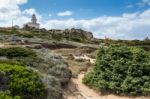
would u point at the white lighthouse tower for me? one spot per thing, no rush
(33, 23)
(34, 19)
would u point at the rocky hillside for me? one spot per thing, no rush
(41, 57)
(77, 35)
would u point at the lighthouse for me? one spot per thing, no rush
(33, 23)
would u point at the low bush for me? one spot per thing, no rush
(23, 82)
(80, 60)
(27, 84)
(121, 70)
(7, 95)
(16, 52)
(26, 35)
(11, 62)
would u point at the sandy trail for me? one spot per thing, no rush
(88, 93)
(85, 57)
(1, 45)
(77, 90)
(5, 45)
(80, 91)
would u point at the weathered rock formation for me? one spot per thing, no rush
(69, 34)
(89, 35)
(72, 33)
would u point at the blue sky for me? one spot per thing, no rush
(84, 9)
(116, 19)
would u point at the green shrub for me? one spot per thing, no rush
(2, 52)
(7, 95)
(8, 32)
(57, 37)
(23, 82)
(26, 35)
(121, 70)
(80, 60)
(16, 52)
(11, 62)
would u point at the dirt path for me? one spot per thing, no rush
(4, 45)
(86, 92)
(77, 90)
(1, 45)
(85, 57)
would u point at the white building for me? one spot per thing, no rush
(33, 22)
(16, 27)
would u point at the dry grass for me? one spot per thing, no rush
(74, 66)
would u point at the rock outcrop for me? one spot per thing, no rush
(69, 34)
(72, 32)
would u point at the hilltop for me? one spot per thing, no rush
(55, 55)
(59, 59)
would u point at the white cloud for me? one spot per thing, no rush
(129, 6)
(128, 26)
(65, 13)
(30, 11)
(10, 10)
(20, 1)
(143, 3)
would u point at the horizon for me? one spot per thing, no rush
(124, 19)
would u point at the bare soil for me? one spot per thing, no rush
(77, 90)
